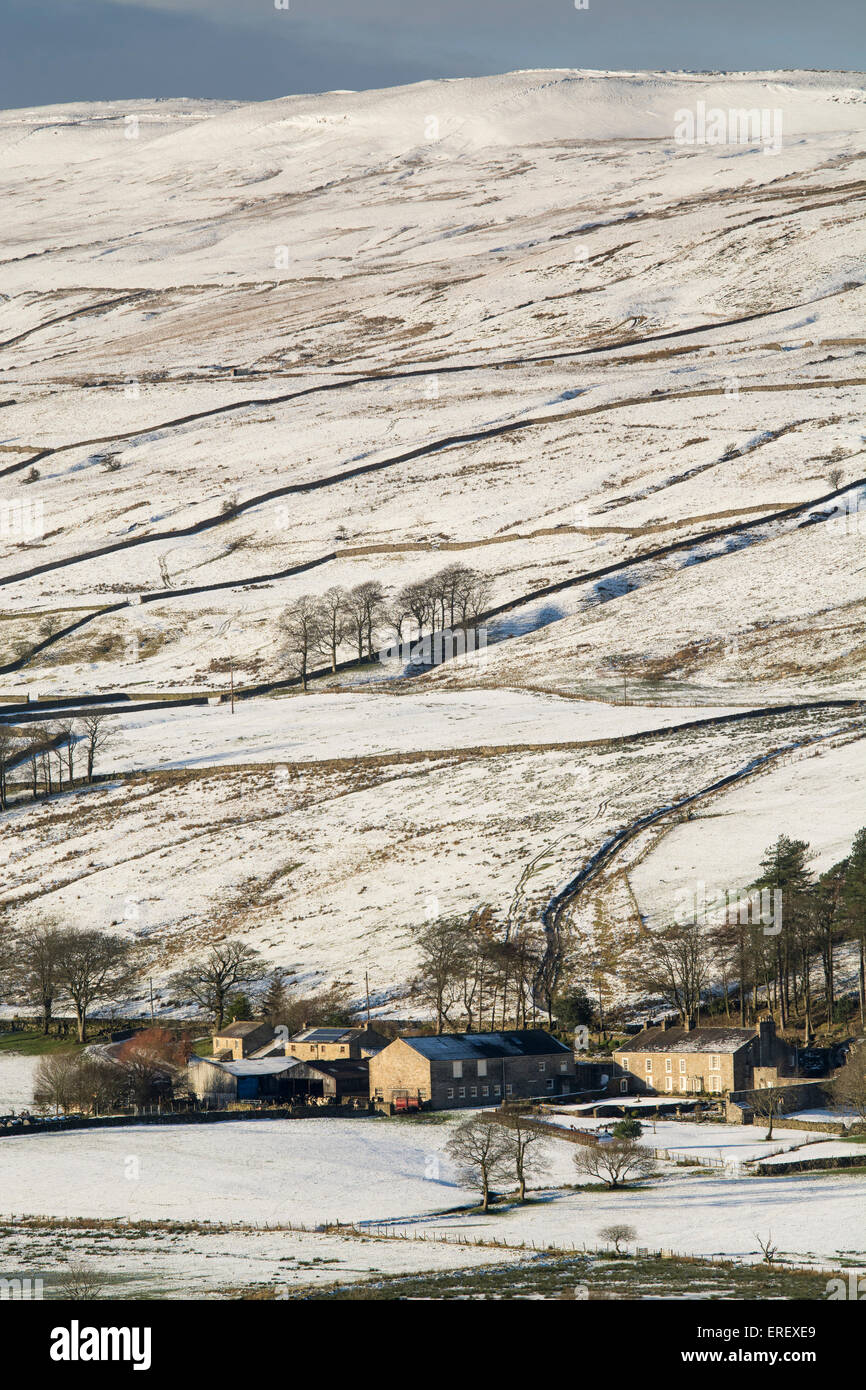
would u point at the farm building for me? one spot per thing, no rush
(241, 1039)
(688, 1061)
(284, 1080)
(247, 1079)
(450, 1070)
(344, 1079)
(335, 1044)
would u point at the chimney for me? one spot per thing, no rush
(766, 1042)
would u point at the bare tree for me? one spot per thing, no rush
(768, 1249)
(767, 1103)
(616, 1163)
(527, 1148)
(92, 965)
(211, 979)
(417, 600)
(679, 967)
(80, 1282)
(302, 625)
(334, 615)
(76, 1081)
(97, 733)
(68, 735)
(38, 951)
(9, 748)
(366, 602)
(617, 1233)
(849, 1086)
(442, 945)
(480, 1149)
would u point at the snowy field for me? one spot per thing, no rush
(196, 1264)
(813, 1219)
(314, 728)
(378, 1171)
(16, 1082)
(306, 1172)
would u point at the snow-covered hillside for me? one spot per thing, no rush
(251, 352)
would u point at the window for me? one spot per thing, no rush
(462, 1093)
(542, 1066)
(485, 1090)
(563, 1066)
(715, 1063)
(473, 1091)
(649, 1063)
(342, 1049)
(669, 1083)
(450, 1092)
(683, 1083)
(508, 1088)
(550, 1083)
(497, 1090)
(682, 1064)
(625, 1064)
(457, 1069)
(669, 1064)
(623, 1086)
(715, 1084)
(482, 1067)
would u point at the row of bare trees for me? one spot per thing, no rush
(511, 1146)
(144, 1068)
(474, 970)
(319, 627)
(47, 964)
(46, 754)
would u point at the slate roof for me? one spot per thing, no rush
(325, 1035)
(239, 1030)
(525, 1042)
(343, 1069)
(688, 1040)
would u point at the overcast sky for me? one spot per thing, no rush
(71, 50)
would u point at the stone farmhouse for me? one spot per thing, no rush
(241, 1039)
(335, 1044)
(690, 1061)
(450, 1070)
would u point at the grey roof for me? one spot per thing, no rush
(252, 1066)
(525, 1042)
(239, 1030)
(324, 1035)
(341, 1068)
(689, 1040)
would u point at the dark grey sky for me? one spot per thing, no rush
(69, 50)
